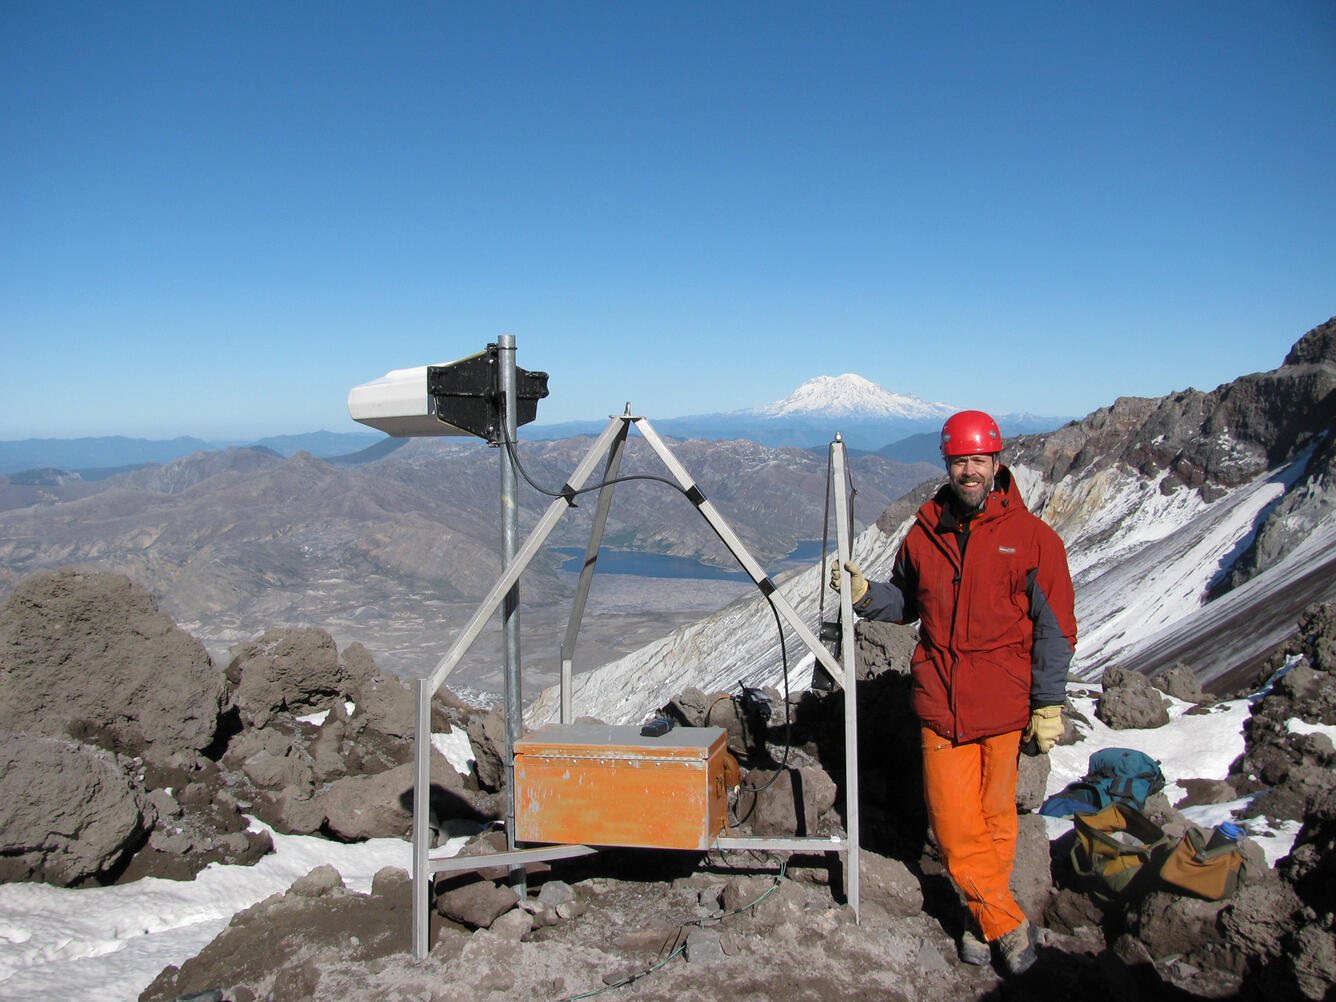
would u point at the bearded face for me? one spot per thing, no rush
(972, 478)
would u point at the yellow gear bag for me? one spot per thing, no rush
(1113, 846)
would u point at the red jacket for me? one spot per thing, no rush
(997, 628)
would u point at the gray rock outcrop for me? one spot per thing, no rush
(297, 670)
(1289, 950)
(1300, 951)
(1182, 683)
(1291, 770)
(788, 801)
(91, 654)
(94, 678)
(487, 735)
(1130, 701)
(1223, 438)
(270, 945)
(380, 805)
(69, 812)
(1311, 865)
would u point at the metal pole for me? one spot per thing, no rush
(421, 813)
(510, 610)
(849, 648)
(587, 569)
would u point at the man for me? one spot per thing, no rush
(989, 585)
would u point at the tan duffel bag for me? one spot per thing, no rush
(1208, 872)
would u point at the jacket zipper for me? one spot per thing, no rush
(958, 563)
(953, 648)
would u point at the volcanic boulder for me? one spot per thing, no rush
(1181, 682)
(92, 655)
(787, 801)
(68, 812)
(298, 670)
(1130, 701)
(377, 806)
(487, 734)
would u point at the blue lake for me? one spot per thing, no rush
(659, 565)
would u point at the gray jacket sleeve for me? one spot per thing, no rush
(890, 601)
(1051, 655)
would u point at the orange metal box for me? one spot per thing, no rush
(595, 784)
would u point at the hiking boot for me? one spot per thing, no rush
(972, 948)
(1017, 949)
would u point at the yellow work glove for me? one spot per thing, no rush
(857, 583)
(1045, 727)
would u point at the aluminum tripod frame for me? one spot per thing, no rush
(611, 443)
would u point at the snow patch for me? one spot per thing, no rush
(105, 944)
(457, 750)
(1297, 726)
(318, 718)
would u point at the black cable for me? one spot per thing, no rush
(788, 716)
(853, 490)
(571, 492)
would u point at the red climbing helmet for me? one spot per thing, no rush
(970, 433)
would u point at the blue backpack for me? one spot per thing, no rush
(1129, 776)
(1122, 775)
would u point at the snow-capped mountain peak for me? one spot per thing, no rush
(851, 395)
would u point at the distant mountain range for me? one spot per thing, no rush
(872, 420)
(96, 458)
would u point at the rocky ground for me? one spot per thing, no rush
(127, 752)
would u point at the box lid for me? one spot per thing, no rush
(581, 740)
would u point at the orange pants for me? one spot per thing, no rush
(970, 790)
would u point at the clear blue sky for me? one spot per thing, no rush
(217, 218)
